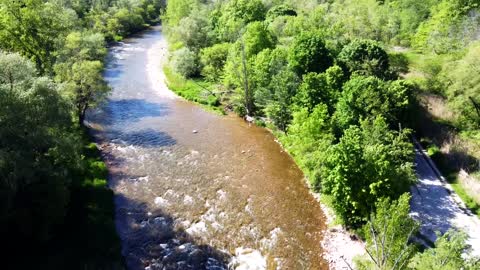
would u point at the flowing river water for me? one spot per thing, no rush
(224, 197)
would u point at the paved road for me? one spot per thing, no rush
(438, 207)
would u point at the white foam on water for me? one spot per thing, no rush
(197, 229)
(159, 201)
(188, 200)
(222, 195)
(248, 259)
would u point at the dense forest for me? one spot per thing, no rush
(342, 84)
(56, 210)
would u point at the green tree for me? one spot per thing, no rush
(235, 15)
(33, 28)
(185, 62)
(309, 54)
(308, 137)
(320, 88)
(86, 86)
(284, 85)
(38, 151)
(365, 57)
(213, 60)
(280, 10)
(463, 87)
(178, 9)
(388, 234)
(194, 31)
(78, 46)
(364, 97)
(448, 254)
(368, 163)
(257, 38)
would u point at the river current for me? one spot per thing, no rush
(195, 190)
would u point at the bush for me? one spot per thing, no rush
(213, 60)
(185, 62)
(309, 54)
(365, 57)
(368, 163)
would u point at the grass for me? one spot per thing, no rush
(195, 90)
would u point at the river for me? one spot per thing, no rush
(225, 196)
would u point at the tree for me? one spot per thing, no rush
(284, 85)
(33, 28)
(213, 61)
(257, 38)
(448, 254)
(319, 88)
(38, 151)
(364, 97)
(308, 137)
(368, 163)
(185, 62)
(365, 57)
(78, 46)
(388, 234)
(463, 87)
(86, 86)
(309, 54)
(178, 9)
(194, 31)
(235, 15)
(279, 10)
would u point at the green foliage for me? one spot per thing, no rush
(308, 137)
(257, 38)
(38, 151)
(365, 57)
(463, 87)
(309, 54)
(368, 163)
(280, 10)
(202, 92)
(193, 31)
(213, 61)
(447, 254)
(449, 28)
(33, 27)
(47, 180)
(235, 15)
(388, 233)
(284, 87)
(185, 62)
(320, 88)
(178, 9)
(365, 97)
(86, 86)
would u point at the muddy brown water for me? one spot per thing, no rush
(224, 197)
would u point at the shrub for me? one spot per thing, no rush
(213, 60)
(185, 62)
(309, 54)
(365, 57)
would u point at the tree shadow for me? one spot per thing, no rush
(147, 138)
(152, 240)
(124, 111)
(431, 201)
(444, 134)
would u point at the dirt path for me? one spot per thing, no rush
(438, 207)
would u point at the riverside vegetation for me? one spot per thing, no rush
(56, 209)
(340, 83)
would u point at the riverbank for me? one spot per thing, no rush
(339, 245)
